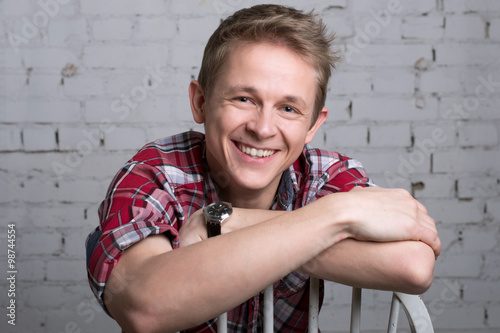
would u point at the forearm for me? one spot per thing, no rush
(213, 276)
(405, 266)
(243, 218)
(217, 274)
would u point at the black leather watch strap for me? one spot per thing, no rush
(213, 229)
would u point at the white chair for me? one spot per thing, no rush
(413, 306)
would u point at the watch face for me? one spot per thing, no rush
(219, 211)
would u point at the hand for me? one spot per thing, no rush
(390, 215)
(193, 230)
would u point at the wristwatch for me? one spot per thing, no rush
(215, 214)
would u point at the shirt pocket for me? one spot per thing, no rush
(290, 284)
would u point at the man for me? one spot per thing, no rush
(296, 211)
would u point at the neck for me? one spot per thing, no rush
(243, 198)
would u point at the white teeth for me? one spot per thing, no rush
(255, 152)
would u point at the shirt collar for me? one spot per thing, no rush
(285, 193)
(209, 189)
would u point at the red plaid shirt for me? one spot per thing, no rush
(168, 180)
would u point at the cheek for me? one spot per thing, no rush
(219, 116)
(293, 131)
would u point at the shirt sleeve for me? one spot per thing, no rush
(139, 203)
(345, 174)
(331, 172)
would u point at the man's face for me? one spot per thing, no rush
(258, 118)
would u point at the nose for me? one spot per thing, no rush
(263, 123)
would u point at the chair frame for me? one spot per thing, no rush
(413, 306)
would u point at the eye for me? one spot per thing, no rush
(289, 109)
(243, 99)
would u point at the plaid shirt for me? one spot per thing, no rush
(168, 180)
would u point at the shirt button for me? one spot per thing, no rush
(281, 286)
(253, 303)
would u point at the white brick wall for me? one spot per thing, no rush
(390, 135)
(39, 138)
(111, 28)
(67, 31)
(423, 27)
(124, 56)
(477, 134)
(120, 7)
(84, 83)
(156, 28)
(465, 27)
(393, 81)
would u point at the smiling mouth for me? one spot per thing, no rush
(254, 152)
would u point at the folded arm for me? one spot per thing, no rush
(404, 266)
(152, 286)
(355, 238)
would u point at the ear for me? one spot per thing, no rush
(197, 99)
(323, 114)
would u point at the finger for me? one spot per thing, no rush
(430, 237)
(427, 221)
(421, 207)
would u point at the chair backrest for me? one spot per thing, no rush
(413, 306)
(415, 310)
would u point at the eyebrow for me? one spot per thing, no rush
(253, 90)
(247, 89)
